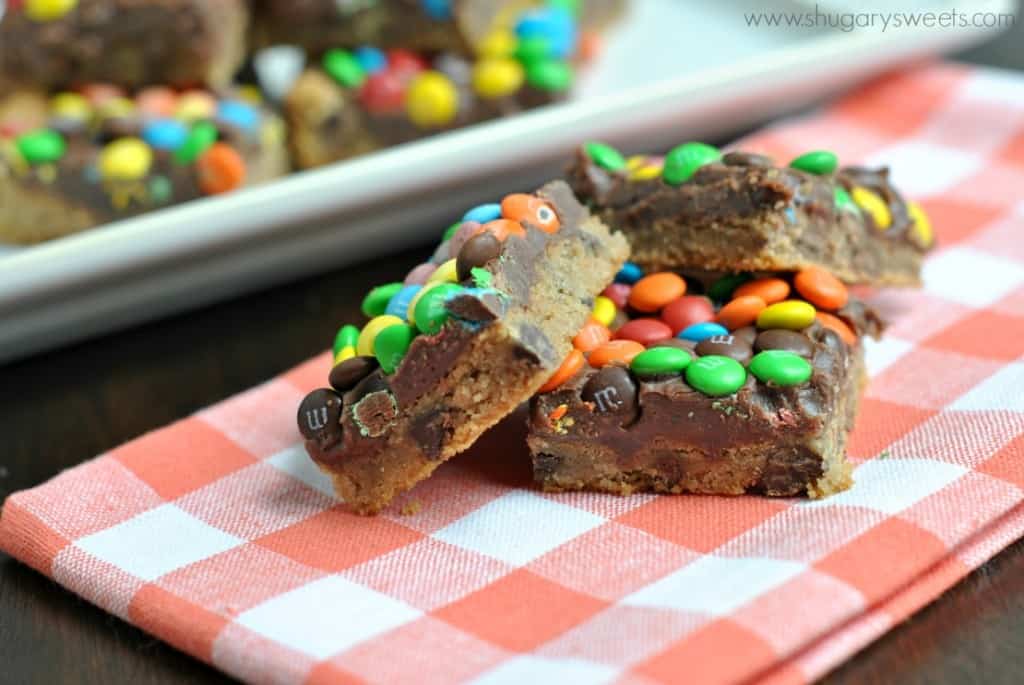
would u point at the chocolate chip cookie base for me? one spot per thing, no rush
(126, 42)
(778, 442)
(745, 214)
(452, 386)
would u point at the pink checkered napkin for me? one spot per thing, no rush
(219, 536)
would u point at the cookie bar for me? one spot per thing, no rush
(456, 26)
(79, 159)
(696, 208)
(358, 101)
(460, 344)
(754, 393)
(54, 44)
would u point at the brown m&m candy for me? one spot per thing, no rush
(737, 158)
(349, 372)
(476, 252)
(725, 346)
(782, 339)
(319, 415)
(611, 390)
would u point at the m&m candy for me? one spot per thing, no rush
(431, 100)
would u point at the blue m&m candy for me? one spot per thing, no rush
(165, 134)
(483, 213)
(239, 114)
(702, 331)
(370, 59)
(553, 24)
(398, 305)
(629, 274)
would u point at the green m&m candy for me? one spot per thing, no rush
(549, 74)
(376, 301)
(39, 147)
(780, 367)
(715, 375)
(430, 312)
(844, 202)
(450, 231)
(660, 361)
(347, 336)
(343, 67)
(391, 344)
(722, 289)
(683, 161)
(605, 156)
(200, 137)
(532, 49)
(819, 162)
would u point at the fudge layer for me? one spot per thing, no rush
(75, 160)
(687, 405)
(468, 337)
(696, 208)
(175, 42)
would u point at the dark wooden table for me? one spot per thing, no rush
(61, 408)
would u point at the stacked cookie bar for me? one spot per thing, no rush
(693, 372)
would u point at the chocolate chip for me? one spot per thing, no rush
(747, 159)
(375, 412)
(725, 346)
(782, 339)
(747, 334)
(319, 415)
(476, 252)
(612, 390)
(349, 372)
(678, 343)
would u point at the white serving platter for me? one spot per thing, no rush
(672, 70)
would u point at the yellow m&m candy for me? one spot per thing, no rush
(792, 314)
(125, 159)
(921, 230)
(431, 100)
(874, 205)
(195, 104)
(604, 311)
(48, 10)
(364, 346)
(446, 273)
(497, 44)
(495, 77)
(70, 105)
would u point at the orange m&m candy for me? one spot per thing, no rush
(837, 325)
(740, 311)
(770, 289)
(568, 369)
(591, 336)
(532, 210)
(503, 228)
(220, 169)
(821, 288)
(653, 292)
(615, 352)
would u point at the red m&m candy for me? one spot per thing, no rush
(383, 92)
(686, 311)
(645, 331)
